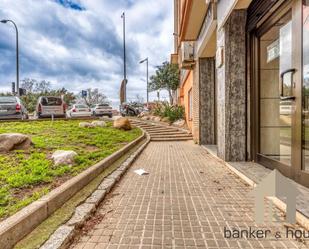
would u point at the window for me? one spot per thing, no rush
(51, 101)
(190, 104)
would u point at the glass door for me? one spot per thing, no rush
(276, 93)
(283, 90)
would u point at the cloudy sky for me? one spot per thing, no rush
(78, 43)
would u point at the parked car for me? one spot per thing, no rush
(79, 110)
(102, 110)
(11, 107)
(48, 106)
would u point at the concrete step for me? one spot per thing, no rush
(146, 127)
(171, 136)
(170, 139)
(142, 124)
(166, 133)
(161, 129)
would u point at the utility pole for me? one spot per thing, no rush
(17, 54)
(147, 75)
(123, 16)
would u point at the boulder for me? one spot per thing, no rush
(166, 120)
(122, 123)
(180, 123)
(157, 119)
(14, 141)
(86, 125)
(98, 124)
(65, 157)
(142, 114)
(145, 118)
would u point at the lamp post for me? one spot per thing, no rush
(123, 16)
(147, 65)
(17, 54)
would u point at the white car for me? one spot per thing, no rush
(79, 110)
(102, 110)
(49, 106)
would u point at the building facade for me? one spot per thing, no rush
(245, 79)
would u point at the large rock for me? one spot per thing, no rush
(143, 114)
(98, 124)
(86, 125)
(157, 119)
(65, 157)
(180, 123)
(14, 141)
(145, 118)
(122, 123)
(166, 120)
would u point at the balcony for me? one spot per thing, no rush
(206, 42)
(192, 16)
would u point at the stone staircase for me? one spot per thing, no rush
(161, 132)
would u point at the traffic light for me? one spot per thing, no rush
(13, 88)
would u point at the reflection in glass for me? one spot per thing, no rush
(305, 93)
(275, 114)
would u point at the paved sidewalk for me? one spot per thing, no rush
(185, 202)
(256, 172)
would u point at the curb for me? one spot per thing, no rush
(64, 234)
(47, 119)
(17, 226)
(301, 219)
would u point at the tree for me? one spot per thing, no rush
(34, 86)
(94, 97)
(28, 84)
(165, 78)
(35, 89)
(42, 86)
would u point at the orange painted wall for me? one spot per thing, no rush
(187, 86)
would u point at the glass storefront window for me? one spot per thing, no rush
(275, 113)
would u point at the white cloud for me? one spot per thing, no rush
(81, 49)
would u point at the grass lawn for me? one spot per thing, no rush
(25, 176)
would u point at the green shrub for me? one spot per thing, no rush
(172, 112)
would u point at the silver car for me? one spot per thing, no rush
(102, 110)
(48, 106)
(79, 110)
(11, 107)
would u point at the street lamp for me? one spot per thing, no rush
(147, 65)
(17, 53)
(123, 16)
